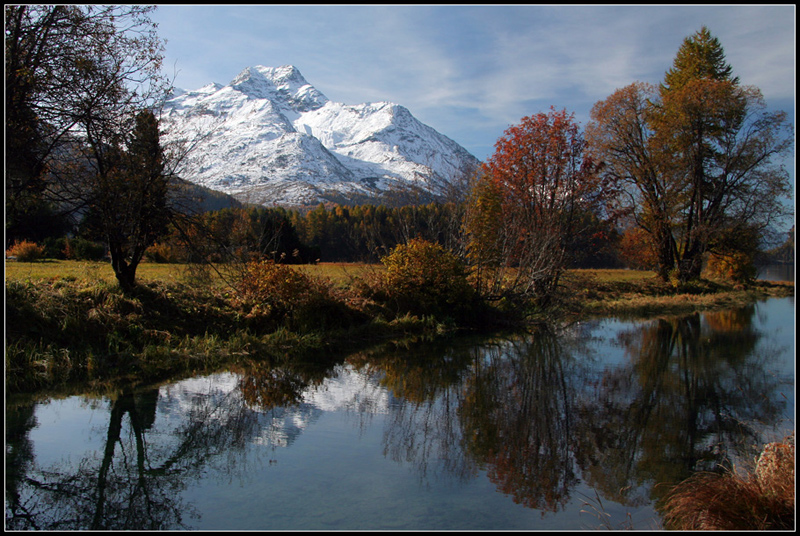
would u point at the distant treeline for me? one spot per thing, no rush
(783, 254)
(324, 234)
(363, 233)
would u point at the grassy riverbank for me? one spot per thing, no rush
(632, 293)
(69, 323)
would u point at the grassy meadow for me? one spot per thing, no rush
(338, 273)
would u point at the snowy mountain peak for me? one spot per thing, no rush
(286, 76)
(270, 137)
(282, 85)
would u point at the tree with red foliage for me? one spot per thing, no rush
(527, 203)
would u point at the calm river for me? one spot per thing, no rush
(551, 431)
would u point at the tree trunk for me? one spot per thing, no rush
(665, 251)
(124, 271)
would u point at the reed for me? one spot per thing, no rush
(757, 499)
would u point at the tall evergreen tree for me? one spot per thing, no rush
(700, 56)
(701, 109)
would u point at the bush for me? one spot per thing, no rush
(164, 252)
(276, 295)
(25, 251)
(738, 267)
(636, 251)
(423, 278)
(86, 250)
(55, 247)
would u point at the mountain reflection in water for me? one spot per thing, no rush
(607, 409)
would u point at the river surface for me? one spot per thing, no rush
(572, 430)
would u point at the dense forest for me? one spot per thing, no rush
(363, 233)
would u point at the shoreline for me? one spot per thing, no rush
(65, 330)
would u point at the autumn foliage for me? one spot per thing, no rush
(696, 158)
(527, 204)
(278, 295)
(424, 278)
(636, 250)
(26, 251)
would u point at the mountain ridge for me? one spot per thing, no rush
(271, 138)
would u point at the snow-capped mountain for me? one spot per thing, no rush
(269, 137)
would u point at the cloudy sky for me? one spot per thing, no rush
(471, 71)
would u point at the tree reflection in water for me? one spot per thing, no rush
(690, 397)
(120, 490)
(134, 481)
(540, 414)
(422, 426)
(516, 420)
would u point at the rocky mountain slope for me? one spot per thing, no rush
(270, 138)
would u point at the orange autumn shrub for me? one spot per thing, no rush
(276, 295)
(26, 251)
(424, 278)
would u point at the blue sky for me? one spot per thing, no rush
(471, 71)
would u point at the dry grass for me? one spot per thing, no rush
(90, 270)
(339, 273)
(584, 292)
(643, 294)
(613, 275)
(761, 499)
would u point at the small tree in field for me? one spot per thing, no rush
(526, 205)
(80, 84)
(128, 207)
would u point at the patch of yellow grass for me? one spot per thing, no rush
(611, 275)
(91, 270)
(339, 273)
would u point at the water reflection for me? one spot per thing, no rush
(690, 397)
(517, 419)
(541, 416)
(115, 488)
(777, 272)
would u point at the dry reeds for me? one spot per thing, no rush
(762, 499)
